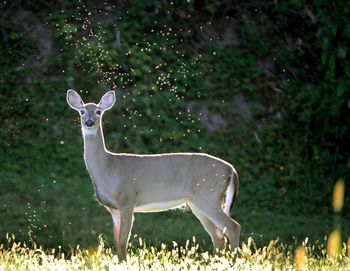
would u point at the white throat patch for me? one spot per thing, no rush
(89, 131)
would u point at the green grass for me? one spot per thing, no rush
(274, 256)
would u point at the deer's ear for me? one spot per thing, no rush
(107, 101)
(74, 100)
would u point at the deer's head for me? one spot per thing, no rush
(90, 113)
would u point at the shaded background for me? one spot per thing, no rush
(261, 84)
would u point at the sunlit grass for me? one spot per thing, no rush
(275, 256)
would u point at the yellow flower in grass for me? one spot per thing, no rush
(334, 244)
(338, 195)
(300, 258)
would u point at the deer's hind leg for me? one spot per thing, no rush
(216, 235)
(222, 221)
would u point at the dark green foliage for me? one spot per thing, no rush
(278, 73)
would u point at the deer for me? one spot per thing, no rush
(126, 183)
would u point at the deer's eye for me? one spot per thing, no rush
(82, 112)
(98, 112)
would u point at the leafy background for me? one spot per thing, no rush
(261, 84)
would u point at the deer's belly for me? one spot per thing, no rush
(160, 206)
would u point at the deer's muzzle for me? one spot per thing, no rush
(89, 123)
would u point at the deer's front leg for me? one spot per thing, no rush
(116, 226)
(126, 220)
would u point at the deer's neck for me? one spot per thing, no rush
(95, 153)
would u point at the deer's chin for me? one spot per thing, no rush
(89, 131)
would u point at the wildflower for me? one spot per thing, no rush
(334, 243)
(300, 258)
(338, 195)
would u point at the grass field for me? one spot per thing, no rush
(275, 256)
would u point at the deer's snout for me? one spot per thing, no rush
(89, 123)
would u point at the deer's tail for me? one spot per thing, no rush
(231, 192)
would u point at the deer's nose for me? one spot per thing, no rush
(89, 123)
